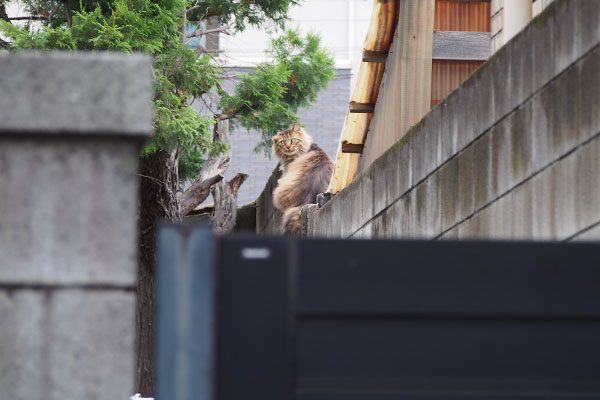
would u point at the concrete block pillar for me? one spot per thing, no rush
(71, 127)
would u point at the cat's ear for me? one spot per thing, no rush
(296, 127)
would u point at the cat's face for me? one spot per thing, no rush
(291, 143)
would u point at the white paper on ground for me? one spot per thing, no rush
(138, 396)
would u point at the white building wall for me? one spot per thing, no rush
(505, 24)
(342, 25)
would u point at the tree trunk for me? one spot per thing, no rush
(3, 15)
(158, 201)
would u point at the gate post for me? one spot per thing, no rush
(71, 127)
(185, 309)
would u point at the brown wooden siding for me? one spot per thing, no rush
(404, 98)
(447, 75)
(462, 16)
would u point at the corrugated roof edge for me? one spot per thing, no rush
(384, 20)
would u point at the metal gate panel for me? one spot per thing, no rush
(358, 320)
(488, 278)
(254, 319)
(399, 319)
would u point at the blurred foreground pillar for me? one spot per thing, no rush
(71, 127)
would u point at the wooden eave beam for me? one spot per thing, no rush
(368, 108)
(374, 56)
(449, 45)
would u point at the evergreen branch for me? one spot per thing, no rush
(246, 3)
(177, 66)
(208, 106)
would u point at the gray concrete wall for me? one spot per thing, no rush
(513, 153)
(268, 218)
(71, 126)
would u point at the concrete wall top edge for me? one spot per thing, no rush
(52, 93)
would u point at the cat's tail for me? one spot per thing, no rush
(292, 220)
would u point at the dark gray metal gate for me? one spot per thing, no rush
(251, 318)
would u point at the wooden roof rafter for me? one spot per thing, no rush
(355, 107)
(384, 20)
(374, 56)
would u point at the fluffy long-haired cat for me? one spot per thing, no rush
(306, 172)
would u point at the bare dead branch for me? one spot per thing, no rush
(236, 182)
(196, 193)
(221, 29)
(225, 212)
(225, 117)
(212, 172)
(177, 66)
(228, 116)
(191, 9)
(158, 182)
(199, 50)
(208, 106)
(29, 18)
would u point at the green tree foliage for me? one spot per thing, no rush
(266, 99)
(241, 13)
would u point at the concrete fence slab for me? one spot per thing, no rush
(507, 155)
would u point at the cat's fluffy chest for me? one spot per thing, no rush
(292, 162)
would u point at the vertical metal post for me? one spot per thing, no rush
(517, 14)
(185, 314)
